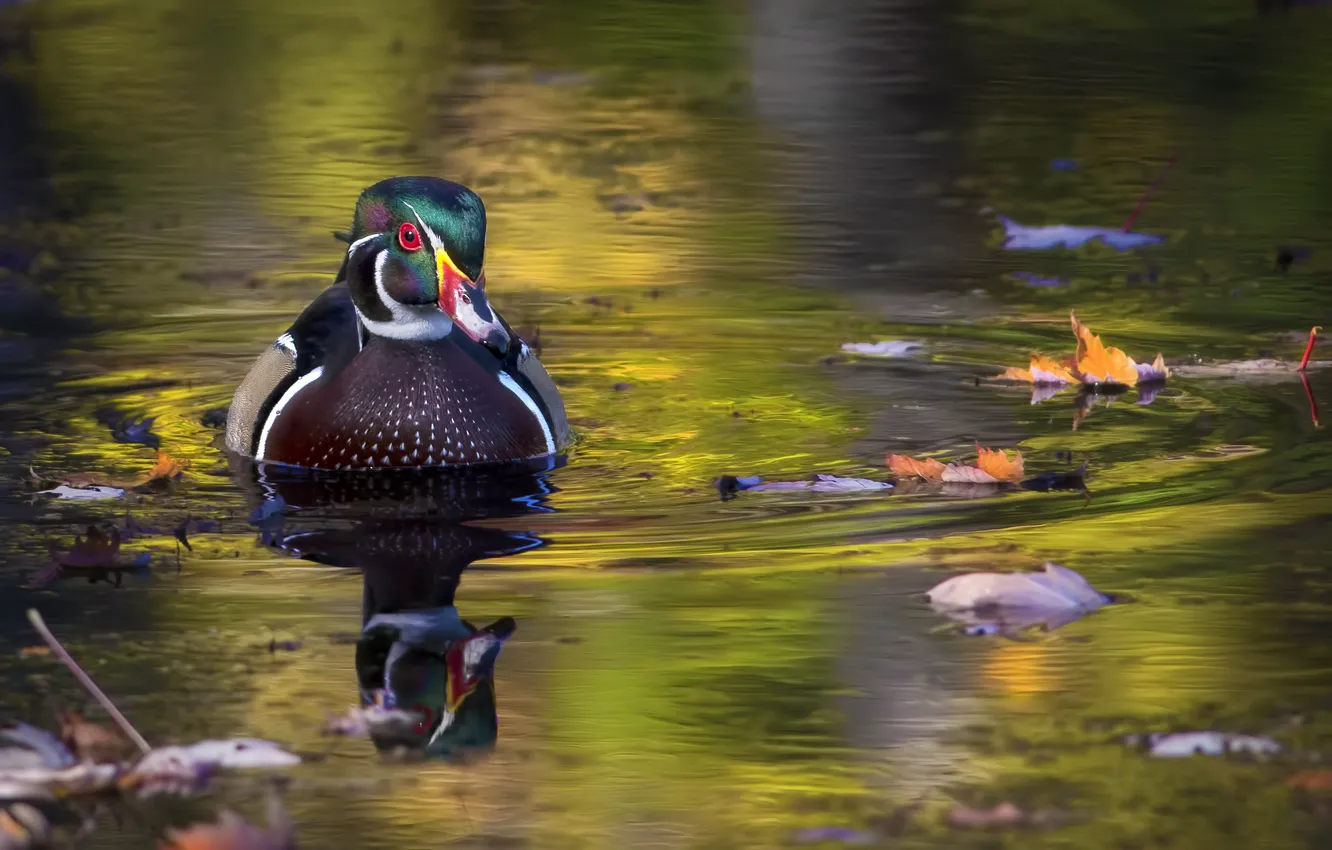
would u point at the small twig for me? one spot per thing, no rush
(1142, 202)
(1308, 349)
(60, 652)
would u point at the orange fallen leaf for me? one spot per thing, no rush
(1311, 780)
(232, 832)
(1043, 371)
(1098, 364)
(909, 467)
(998, 465)
(166, 467)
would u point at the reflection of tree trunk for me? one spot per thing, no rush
(860, 92)
(865, 93)
(911, 688)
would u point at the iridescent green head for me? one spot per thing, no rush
(415, 267)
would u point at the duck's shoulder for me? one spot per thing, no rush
(322, 340)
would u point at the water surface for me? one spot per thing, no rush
(697, 203)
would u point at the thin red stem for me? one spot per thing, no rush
(1142, 202)
(1313, 405)
(1308, 349)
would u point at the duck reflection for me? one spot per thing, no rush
(410, 535)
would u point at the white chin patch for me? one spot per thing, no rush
(409, 320)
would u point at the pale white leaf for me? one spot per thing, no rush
(1011, 601)
(84, 494)
(887, 348)
(1186, 744)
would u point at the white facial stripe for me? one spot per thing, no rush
(353, 246)
(512, 386)
(409, 321)
(436, 244)
(304, 381)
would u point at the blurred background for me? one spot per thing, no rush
(693, 205)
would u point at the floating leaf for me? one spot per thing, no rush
(82, 778)
(960, 473)
(1043, 371)
(1156, 372)
(50, 750)
(1054, 598)
(188, 768)
(888, 348)
(823, 483)
(1018, 237)
(84, 494)
(91, 741)
(1186, 744)
(998, 465)
(1097, 364)
(908, 467)
(240, 753)
(166, 468)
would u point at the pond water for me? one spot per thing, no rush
(696, 204)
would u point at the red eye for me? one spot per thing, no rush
(408, 237)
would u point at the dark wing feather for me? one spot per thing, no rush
(325, 334)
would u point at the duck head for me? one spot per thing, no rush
(414, 265)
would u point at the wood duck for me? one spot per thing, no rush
(401, 363)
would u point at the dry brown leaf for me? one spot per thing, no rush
(1098, 364)
(960, 473)
(91, 741)
(998, 465)
(909, 467)
(1311, 780)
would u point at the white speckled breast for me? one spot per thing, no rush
(407, 404)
